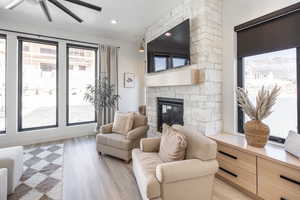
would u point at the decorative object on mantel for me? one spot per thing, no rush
(292, 144)
(257, 133)
(102, 96)
(129, 80)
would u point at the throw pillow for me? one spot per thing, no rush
(292, 144)
(172, 145)
(123, 123)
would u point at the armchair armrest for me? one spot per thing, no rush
(107, 128)
(184, 170)
(136, 133)
(3, 184)
(150, 144)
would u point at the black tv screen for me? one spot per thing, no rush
(170, 50)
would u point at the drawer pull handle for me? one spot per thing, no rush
(228, 155)
(228, 172)
(283, 198)
(289, 179)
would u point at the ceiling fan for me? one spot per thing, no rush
(44, 6)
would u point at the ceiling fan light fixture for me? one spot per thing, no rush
(43, 4)
(66, 10)
(44, 7)
(14, 4)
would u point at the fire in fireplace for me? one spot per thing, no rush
(169, 111)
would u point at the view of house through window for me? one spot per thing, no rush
(2, 83)
(38, 79)
(267, 70)
(81, 73)
(160, 63)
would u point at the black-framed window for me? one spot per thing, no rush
(268, 53)
(81, 72)
(2, 84)
(268, 69)
(38, 85)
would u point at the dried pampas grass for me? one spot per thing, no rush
(265, 100)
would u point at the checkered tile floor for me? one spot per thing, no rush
(42, 177)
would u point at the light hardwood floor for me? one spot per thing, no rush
(89, 176)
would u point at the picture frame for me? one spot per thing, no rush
(129, 80)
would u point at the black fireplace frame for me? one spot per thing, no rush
(167, 101)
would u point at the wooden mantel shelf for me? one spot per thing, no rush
(271, 151)
(187, 75)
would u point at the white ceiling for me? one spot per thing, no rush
(133, 16)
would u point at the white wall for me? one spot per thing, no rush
(130, 60)
(236, 12)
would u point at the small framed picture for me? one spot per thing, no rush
(129, 80)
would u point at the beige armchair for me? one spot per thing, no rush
(119, 145)
(190, 179)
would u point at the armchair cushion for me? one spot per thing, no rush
(115, 140)
(107, 128)
(150, 144)
(136, 133)
(184, 170)
(173, 145)
(144, 166)
(123, 122)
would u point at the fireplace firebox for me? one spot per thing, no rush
(169, 111)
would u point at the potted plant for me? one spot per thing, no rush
(102, 96)
(257, 133)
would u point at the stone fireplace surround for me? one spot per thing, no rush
(202, 102)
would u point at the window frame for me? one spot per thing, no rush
(240, 83)
(20, 81)
(3, 36)
(68, 46)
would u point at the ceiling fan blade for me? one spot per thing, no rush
(88, 5)
(66, 10)
(14, 4)
(44, 7)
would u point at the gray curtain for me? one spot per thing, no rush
(108, 67)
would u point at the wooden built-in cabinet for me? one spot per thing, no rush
(238, 167)
(267, 173)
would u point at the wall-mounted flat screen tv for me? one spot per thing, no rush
(170, 50)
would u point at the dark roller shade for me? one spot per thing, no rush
(276, 31)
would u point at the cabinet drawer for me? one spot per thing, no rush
(243, 161)
(277, 182)
(233, 173)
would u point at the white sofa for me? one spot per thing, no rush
(190, 179)
(12, 159)
(3, 184)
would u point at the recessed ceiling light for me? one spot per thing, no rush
(113, 21)
(168, 34)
